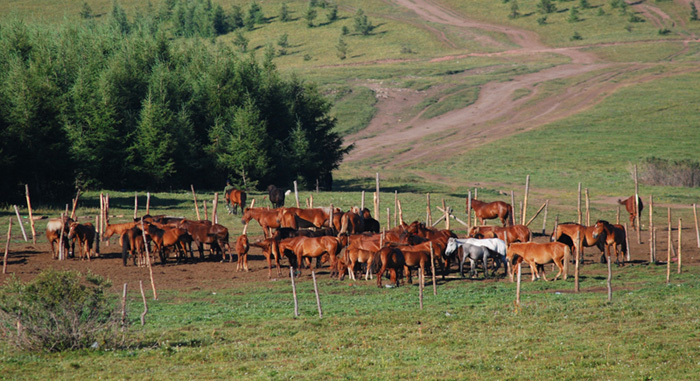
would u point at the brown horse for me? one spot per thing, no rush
(612, 236)
(496, 209)
(351, 223)
(566, 233)
(267, 218)
(120, 229)
(235, 198)
(310, 247)
(629, 205)
(85, 234)
(537, 255)
(204, 232)
(132, 244)
(53, 233)
(269, 249)
(389, 258)
(242, 247)
(414, 256)
(165, 236)
(310, 217)
(354, 256)
(515, 233)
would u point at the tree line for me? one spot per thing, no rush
(125, 104)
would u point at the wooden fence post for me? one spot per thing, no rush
(578, 260)
(517, 287)
(377, 198)
(294, 292)
(136, 205)
(21, 225)
(523, 217)
(638, 218)
(627, 242)
(148, 262)
(668, 251)
(296, 193)
(680, 230)
(544, 222)
(148, 202)
(609, 282)
(421, 284)
(124, 308)
(31, 217)
(697, 228)
(362, 203)
(432, 267)
(145, 304)
(396, 208)
(318, 299)
(588, 209)
(469, 212)
(428, 216)
(196, 206)
(97, 236)
(578, 205)
(512, 204)
(214, 207)
(75, 204)
(7, 247)
(652, 258)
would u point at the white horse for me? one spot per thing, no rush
(494, 244)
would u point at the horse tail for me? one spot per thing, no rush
(567, 259)
(125, 247)
(376, 261)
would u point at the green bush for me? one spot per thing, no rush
(58, 310)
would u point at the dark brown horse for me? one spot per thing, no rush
(612, 236)
(537, 255)
(85, 234)
(515, 233)
(132, 244)
(496, 209)
(234, 199)
(276, 196)
(164, 237)
(629, 205)
(388, 258)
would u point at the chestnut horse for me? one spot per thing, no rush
(132, 244)
(165, 236)
(354, 256)
(269, 248)
(566, 233)
(242, 247)
(515, 233)
(389, 258)
(537, 255)
(235, 198)
(204, 232)
(53, 233)
(85, 234)
(500, 209)
(629, 205)
(311, 247)
(612, 235)
(266, 218)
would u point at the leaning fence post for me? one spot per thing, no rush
(196, 206)
(294, 292)
(31, 217)
(318, 299)
(145, 304)
(7, 247)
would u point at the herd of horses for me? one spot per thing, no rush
(350, 241)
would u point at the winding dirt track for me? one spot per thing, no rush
(496, 113)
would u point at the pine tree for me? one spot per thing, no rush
(342, 48)
(693, 11)
(514, 10)
(546, 6)
(310, 17)
(284, 13)
(362, 24)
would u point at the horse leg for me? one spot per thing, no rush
(380, 273)
(472, 263)
(486, 269)
(407, 270)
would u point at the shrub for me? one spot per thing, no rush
(576, 37)
(58, 310)
(542, 20)
(677, 173)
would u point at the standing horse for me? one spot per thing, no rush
(389, 258)
(479, 253)
(276, 196)
(204, 232)
(612, 235)
(85, 234)
(311, 247)
(132, 244)
(242, 247)
(234, 199)
(539, 254)
(515, 233)
(496, 209)
(266, 218)
(566, 233)
(269, 248)
(629, 205)
(496, 245)
(53, 233)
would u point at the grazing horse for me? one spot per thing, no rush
(496, 209)
(515, 233)
(479, 253)
(85, 234)
(269, 248)
(276, 196)
(496, 245)
(234, 199)
(629, 205)
(268, 219)
(311, 247)
(53, 233)
(566, 233)
(242, 247)
(612, 235)
(539, 254)
(389, 258)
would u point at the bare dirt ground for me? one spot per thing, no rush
(27, 260)
(397, 140)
